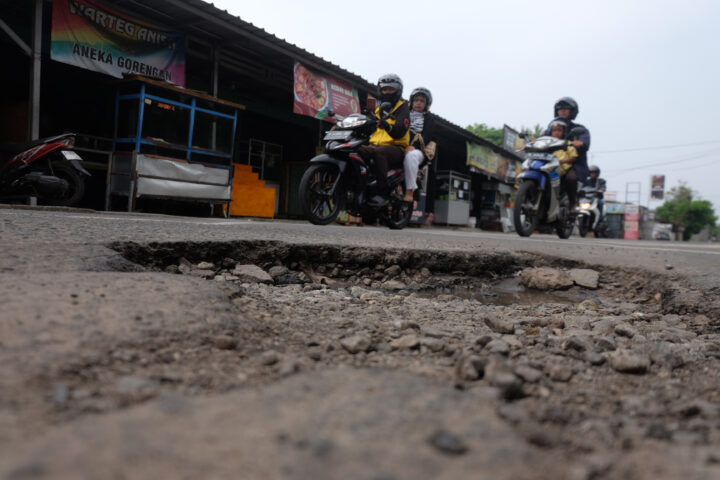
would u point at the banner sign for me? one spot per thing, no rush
(632, 224)
(657, 187)
(486, 160)
(512, 141)
(91, 35)
(315, 94)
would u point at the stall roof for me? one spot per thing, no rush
(231, 31)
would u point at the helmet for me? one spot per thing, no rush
(425, 93)
(390, 80)
(567, 102)
(558, 121)
(594, 169)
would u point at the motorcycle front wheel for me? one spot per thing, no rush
(76, 187)
(583, 226)
(565, 228)
(525, 216)
(322, 193)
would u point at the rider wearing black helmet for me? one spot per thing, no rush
(388, 143)
(578, 136)
(593, 180)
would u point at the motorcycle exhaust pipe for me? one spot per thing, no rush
(46, 184)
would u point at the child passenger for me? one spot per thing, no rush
(422, 134)
(569, 154)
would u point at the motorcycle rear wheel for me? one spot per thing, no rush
(322, 193)
(524, 217)
(398, 212)
(75, 191)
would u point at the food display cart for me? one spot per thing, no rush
(170, 143)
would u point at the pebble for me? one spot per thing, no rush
(528, 373)
(447, 442)
(625, 361)
(470, 368)
(499, 325)
(269, 357)
(560, 372)
(356, 343)
(224, 342)
(406, 342)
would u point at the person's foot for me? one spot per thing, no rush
(377, 201)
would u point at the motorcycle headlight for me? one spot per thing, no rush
(352, 122)
(585, 205)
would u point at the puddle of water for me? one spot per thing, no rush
(512, 292)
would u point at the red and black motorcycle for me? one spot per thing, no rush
(47, 168)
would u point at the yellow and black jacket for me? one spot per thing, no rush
(396, 131)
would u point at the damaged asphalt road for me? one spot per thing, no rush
(138, 348)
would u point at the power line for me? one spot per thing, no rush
(656, 148)
(671, 162)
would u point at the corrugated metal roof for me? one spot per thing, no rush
(234, 26)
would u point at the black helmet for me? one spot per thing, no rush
(594, 168)
(425, 93)
(567, 102)
(390, 80)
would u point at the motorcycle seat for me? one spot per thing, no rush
(11, 148)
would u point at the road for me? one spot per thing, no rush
(351, 352)
(699, 262)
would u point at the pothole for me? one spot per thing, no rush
(489, 278)
(580, 369)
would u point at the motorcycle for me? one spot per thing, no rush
(540, 199)
(340, 179)
(589, 215)
(46, 168)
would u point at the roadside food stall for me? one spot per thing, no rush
(170, 143)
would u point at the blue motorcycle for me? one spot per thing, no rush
(540, 200)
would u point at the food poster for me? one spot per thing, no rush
(315, 94)
(94, 36)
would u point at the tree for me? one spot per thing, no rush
(533, 132)
(686, 214)
(494, 135)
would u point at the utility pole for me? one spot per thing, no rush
(632, 193)
(35, 69)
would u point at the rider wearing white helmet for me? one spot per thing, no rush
(422, 133)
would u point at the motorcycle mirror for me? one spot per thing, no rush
(330, 112)
(577, 131)
(385, 108)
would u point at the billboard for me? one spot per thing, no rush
(94, 36)
(657, 187)
(315, 94)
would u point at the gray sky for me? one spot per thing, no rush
(645, 73)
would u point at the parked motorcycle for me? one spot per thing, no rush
(589, 215)
(540, 199)
(340, 179)
(48, 169)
